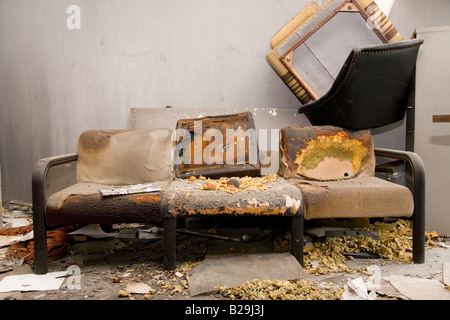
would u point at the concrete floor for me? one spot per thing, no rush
(142, 262)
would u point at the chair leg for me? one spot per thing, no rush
(169, 243)
(297, 238)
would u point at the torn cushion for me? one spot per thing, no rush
(355, 198)
(325, 153)
(217, 146)
(82, 203)
(125, 156)
(185, 198)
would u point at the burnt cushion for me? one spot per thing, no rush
(276, 197)
(83, 203)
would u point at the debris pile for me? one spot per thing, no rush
(151, 284)
(232, 185)
(326, 255)
(299, 289)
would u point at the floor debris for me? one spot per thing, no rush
(329, 271)
(32, 282)
(356, 289)
(298, 289)
(231, 270)
(418, 288)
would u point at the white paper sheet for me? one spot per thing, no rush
(32, 282)
(94, 231)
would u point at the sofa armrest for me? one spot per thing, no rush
(38, 184)
(418, 190)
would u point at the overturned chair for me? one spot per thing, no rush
(104, 160)
(371, 90)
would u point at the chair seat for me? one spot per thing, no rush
(186, 198)
(365, 197)
(82, 203)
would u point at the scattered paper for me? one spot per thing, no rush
(355, 289)
(137, 188)
(148, 235)
(16, 223)
(418, 288)
(94, 231)
(32, 282)
(9, 240)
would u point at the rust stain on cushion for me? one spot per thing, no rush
(138, 199)
(94, 139)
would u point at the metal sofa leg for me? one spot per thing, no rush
(419, 222)
(169, 243)
(297, 238)
(39, 225)
(40, 247)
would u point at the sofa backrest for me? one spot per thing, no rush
(326, 153)
(120, 157)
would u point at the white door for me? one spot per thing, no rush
(432, 123)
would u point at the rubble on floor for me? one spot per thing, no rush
(299, 289)
(324, 255)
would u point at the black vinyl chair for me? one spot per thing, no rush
(371, 90)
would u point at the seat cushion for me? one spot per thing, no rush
(125, 156)
(185, 198)
(366, 197)
(83, 203)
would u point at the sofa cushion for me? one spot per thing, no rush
(275, 197)
(325, 153)
(365, 197)
(83, 203)
(217, 146)
(125, 156)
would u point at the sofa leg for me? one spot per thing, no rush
(297, 238)
(39, 231)
(40, 253)
(169, 244)
(419, 235)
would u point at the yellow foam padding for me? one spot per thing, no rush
(337, 146)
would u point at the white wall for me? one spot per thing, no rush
(56, 82)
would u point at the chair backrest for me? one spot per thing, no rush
(371, 90)
(325, 153)
(120, 157)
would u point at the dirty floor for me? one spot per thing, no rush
(132, 269)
